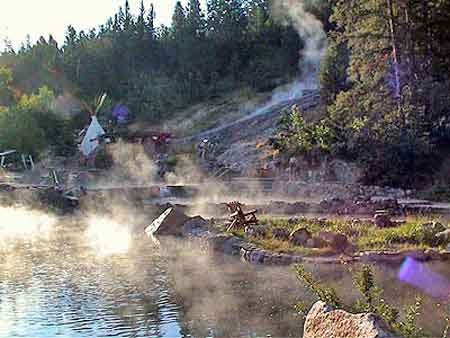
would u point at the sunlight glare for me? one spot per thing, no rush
(20, 223)
(107, 236)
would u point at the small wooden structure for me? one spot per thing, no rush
(27, 160)
(239, 218)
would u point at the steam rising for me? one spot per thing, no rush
(310, 30)
(132, 166)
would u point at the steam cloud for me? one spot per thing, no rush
(310, 30)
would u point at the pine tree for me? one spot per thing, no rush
(178, 19)
(150, 24)
(140, 24)
(128, 17)
(195, 18)
(121, 19)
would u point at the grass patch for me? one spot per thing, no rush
(363, 235)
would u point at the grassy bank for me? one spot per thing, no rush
(363, 235)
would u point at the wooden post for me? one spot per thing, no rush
(30, 158)
(24, 162)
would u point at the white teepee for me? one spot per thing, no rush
(91, 138)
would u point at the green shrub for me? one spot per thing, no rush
(371, 300)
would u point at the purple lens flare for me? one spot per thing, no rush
(421, 277)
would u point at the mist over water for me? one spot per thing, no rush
(99, 276)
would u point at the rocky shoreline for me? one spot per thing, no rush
(233, 245)
(174, 223)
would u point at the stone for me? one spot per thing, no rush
(433, 227)
(257, 257)
(382, 220)
(316, 243)
(338, 242)
(169, 223)
(324, 322)
(194, 223)
(224, 243)
(381, 256)
(258, 231)
(444, 235)
(295, 220)
(281, 234)
(300, 236)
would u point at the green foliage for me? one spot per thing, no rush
(6, 78)
(333, 71)
(365, 283)
(364, 235)
(325, 294)
(32, 125)
(379, 81)
(19, 131)
(371, 301)
(296, 136)
(158, 70)
(409, 326)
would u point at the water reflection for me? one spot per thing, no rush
(61, 286)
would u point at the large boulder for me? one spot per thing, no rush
(169, 223)
(338, 242)
(324, 322)
(300, 236)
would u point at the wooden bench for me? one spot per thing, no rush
(238, 218)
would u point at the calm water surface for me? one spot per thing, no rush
(68, 283)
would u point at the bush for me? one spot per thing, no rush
(371, 300)
(31, 125)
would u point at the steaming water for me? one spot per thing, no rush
(65, 285)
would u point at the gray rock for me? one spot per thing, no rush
(300, 236)
(224, 243)
(338, 242)
(280, 234)
(316, 242)
(382, 220)
(324, 322)
(257, 257)
(433, 227)
(194, 223)
(444, 235)
(169, 223)
(258, 231)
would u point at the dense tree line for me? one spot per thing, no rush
(385, 87)
(158, 69)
